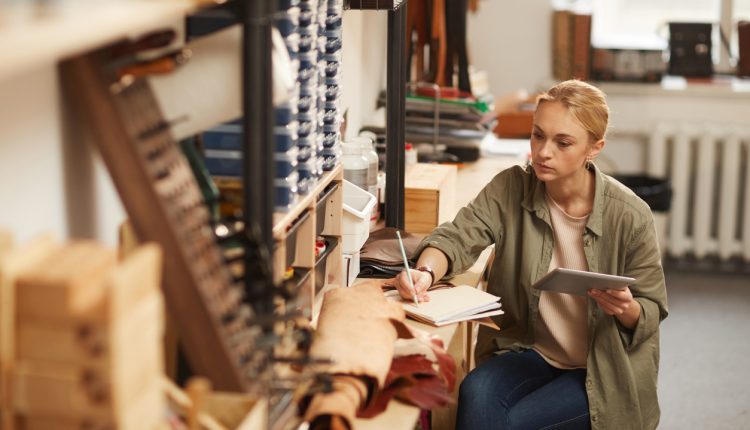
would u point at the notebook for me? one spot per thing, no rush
(450, 305)
(578, 282)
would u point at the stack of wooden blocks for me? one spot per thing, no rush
(80, 338)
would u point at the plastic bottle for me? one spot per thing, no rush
(368, 151)
(355, 164)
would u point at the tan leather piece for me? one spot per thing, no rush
(346, 315)
(341, 404)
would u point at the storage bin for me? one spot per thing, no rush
(306, 142)
(291, 237)
(306, 75)
(305, 152)
(307, 169)
(286, 162)
(307, 43)
(221, 162)
(656, 192)
(332, 151)
(323, 208)
(321, 264)
(226, 137)
(332, 68)
(304, 185)
(285, 137)
(287, 21)
(330, 162)
(331, 139)
(285, 195)
(355, 226)
(351, 268)
(310, 29)
(284, 113)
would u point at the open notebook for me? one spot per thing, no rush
(450, 305)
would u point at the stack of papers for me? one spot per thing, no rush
(450, 305)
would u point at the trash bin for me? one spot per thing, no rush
(656, 192)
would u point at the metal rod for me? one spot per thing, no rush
(395, 118)
(257, 122)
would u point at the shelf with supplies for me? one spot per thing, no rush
(296, 239)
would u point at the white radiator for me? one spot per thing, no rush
(709, 169)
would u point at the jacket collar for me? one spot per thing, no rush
(534, 200)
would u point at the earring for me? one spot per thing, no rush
(589, 162)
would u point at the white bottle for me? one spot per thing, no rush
(356, 166)
(368, 151)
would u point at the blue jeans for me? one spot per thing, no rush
(522, 391)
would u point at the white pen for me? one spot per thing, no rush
(406, 265)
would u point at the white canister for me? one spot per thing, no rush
(356, 166)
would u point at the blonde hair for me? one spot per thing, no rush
(585, 102)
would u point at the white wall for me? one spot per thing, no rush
(364, 65)
(46, 186)
(511, 40)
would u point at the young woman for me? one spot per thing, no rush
(559, 361)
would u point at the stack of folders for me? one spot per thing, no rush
(450, 305)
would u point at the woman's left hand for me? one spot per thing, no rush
(618, 303)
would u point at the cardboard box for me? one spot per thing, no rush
(430, 196)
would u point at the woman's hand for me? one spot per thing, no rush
(618, 303)
(422, 281)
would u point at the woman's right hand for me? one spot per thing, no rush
(422, 281)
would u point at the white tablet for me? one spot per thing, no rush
(577, 282)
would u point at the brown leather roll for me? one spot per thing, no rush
(743, 33)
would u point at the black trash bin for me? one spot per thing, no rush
(656, 192)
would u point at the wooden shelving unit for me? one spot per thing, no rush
(317, 214)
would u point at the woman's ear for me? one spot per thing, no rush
(596, 148)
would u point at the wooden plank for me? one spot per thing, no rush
(146, 413)
(137, 277)
(67, 390)
(91, 342)
(11, 262)
(68, 282)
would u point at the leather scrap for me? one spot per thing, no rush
(357, 330)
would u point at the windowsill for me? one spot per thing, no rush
(719, 86)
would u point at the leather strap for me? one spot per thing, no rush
(428, 269)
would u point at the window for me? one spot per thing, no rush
(644, 22)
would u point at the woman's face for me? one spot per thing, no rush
(559, 144)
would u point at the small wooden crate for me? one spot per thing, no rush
(430, 196)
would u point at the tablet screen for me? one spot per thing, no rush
(578, 282)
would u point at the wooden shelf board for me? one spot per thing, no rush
(72, 30)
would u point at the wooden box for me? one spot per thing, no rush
(430, 196)
(146, 412)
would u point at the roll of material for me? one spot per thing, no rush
(208, 90)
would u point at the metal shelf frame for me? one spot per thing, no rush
(395, 104)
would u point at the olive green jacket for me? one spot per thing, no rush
(620, 239)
